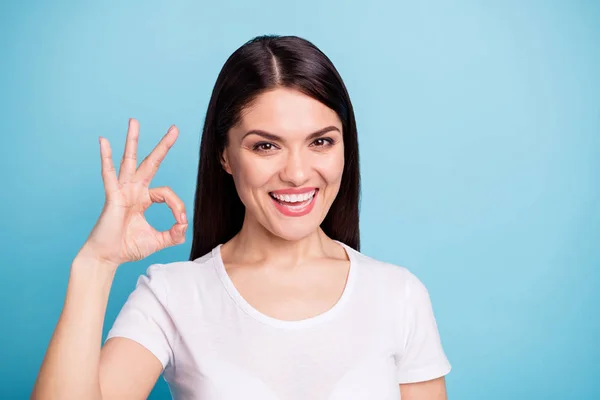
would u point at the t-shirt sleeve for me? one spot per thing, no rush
(422, 356)
(144, 317)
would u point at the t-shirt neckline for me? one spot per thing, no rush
(279, 323)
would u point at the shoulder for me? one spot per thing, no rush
(168, 278)
(397, 278)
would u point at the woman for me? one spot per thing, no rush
(276, 302)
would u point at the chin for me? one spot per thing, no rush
(292, 230)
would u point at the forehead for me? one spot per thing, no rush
(286, 111)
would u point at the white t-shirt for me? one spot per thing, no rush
(214, 345)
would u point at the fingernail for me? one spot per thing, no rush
(183, 219)
(171, 129)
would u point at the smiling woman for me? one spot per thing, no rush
(300, 160)
(276, 301)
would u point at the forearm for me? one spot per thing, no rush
(70, 366)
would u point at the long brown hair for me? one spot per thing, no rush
(261, 64)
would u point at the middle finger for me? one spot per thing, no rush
(129, 160)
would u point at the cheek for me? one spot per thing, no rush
(253, 173)
(331, 168)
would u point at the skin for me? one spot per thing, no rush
(75, 366)
(285, 267)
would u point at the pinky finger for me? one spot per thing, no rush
(109, 175)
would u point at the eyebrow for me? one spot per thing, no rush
(271, 136)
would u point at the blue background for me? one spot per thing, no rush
(479, 126)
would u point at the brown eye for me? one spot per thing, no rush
(263, 147)
(322, 142)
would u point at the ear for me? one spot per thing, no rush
(225, 162)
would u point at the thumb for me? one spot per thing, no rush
(175, 235)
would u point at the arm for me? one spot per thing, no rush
(74, 366)
(434, 389)
(423, 363)
(127, 370)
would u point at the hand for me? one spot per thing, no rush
(122, 233)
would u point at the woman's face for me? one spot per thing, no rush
(286, 157)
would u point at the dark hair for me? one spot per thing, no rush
(262, 64)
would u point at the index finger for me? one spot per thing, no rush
(152, 162)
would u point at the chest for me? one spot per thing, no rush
(236, 353)
(294, 372)
(292, 295)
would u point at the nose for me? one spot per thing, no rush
(295, 168)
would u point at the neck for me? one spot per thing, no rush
(255, 244)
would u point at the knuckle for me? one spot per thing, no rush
(145, 181)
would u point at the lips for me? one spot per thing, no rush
(294, 191)
(294, 202)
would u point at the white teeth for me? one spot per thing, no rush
(294, 198)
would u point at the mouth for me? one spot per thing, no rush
(294, 205)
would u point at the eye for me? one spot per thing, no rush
(263, 147)
(323, 142)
